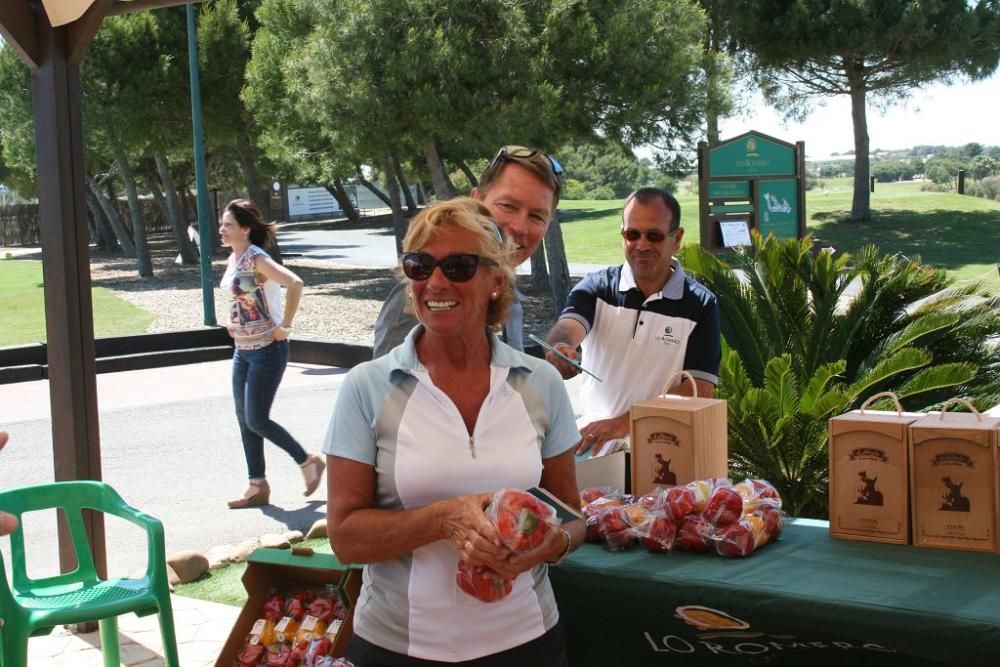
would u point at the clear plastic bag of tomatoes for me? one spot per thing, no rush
(482, 583)
(522, 520)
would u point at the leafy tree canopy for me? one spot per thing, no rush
(884, 48)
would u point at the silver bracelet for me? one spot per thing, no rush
(565, 553)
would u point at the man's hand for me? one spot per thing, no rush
(566, 369)
(8, 523)
(600, 431)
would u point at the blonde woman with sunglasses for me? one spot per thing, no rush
(521, 188)
(420, 440)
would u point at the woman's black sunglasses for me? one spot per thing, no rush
(457, 268)
(526, 154)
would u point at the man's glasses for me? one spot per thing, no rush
(652, 235)
(458, 268)
(525, 154)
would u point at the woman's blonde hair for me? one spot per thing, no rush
(475, 217)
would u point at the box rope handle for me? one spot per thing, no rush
(952, 401)
(670, 379)
(883, 394)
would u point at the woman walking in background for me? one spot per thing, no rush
(259, 326)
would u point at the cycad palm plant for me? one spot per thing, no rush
(809, 335)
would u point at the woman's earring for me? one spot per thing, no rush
(494, 297)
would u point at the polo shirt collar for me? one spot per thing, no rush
(404, 357)
(674, 289)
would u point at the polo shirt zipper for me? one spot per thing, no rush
(472, 446)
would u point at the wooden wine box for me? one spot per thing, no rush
(953, 481)
(869, 475)
(676, 440)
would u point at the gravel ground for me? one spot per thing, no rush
(339, 303)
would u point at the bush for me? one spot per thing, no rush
(798, 350)
(989, 188)
(573, 189)
(931, 186)
(602, 192)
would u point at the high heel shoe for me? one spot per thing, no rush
(257, 494)
(312, 471)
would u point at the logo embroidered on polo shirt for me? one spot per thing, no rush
(668, 338)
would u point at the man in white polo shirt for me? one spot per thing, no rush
(638, 322)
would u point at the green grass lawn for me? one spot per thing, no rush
(955, 232)
(22, 294)
(225, 585)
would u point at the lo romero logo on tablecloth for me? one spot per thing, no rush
(720, 633)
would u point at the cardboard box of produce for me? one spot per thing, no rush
(284, 571)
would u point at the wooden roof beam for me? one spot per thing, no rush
(19, 29)
(132, 6)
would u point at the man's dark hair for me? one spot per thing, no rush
(646, 195)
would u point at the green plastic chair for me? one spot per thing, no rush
(32, 607)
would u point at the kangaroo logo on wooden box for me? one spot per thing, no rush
(676, 440)
(953, 481)
(869, 474)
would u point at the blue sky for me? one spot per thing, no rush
(936, 114)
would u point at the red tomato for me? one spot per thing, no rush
(680, 502)
(736, 541)
(321, 608)
(273, 608)
(694, 533)
(522, 520)
(251, 655)
(662, 533)
(724, 508)
(482, 583)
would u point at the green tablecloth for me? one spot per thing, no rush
(807, 599)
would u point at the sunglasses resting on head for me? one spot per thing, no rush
(457, 267)
(525, 154)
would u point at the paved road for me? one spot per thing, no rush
(374, 248)
(171, 447)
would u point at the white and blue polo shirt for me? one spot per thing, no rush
(634, 343)
(390, 415)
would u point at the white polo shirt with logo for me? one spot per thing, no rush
(634, 343)
(390, 415)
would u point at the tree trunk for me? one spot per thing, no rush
(111, 213)
(710, 66)
(539, 272)
(143, 263)
(469, 174)
(376, 190)
(105, 233)
(555, 252)
(411, 204)
(177, 221)
(343, 197)
(861, 204)
(398, 224)
(443, 189)
(147, 168)
(248, 165)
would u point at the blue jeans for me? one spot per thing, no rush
(256, 376)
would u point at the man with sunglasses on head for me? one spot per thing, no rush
(638, 322)
(521, 188)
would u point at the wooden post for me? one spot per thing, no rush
(961, 181)
(871, 183)
(62, 214)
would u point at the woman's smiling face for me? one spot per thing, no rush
(449, 308)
